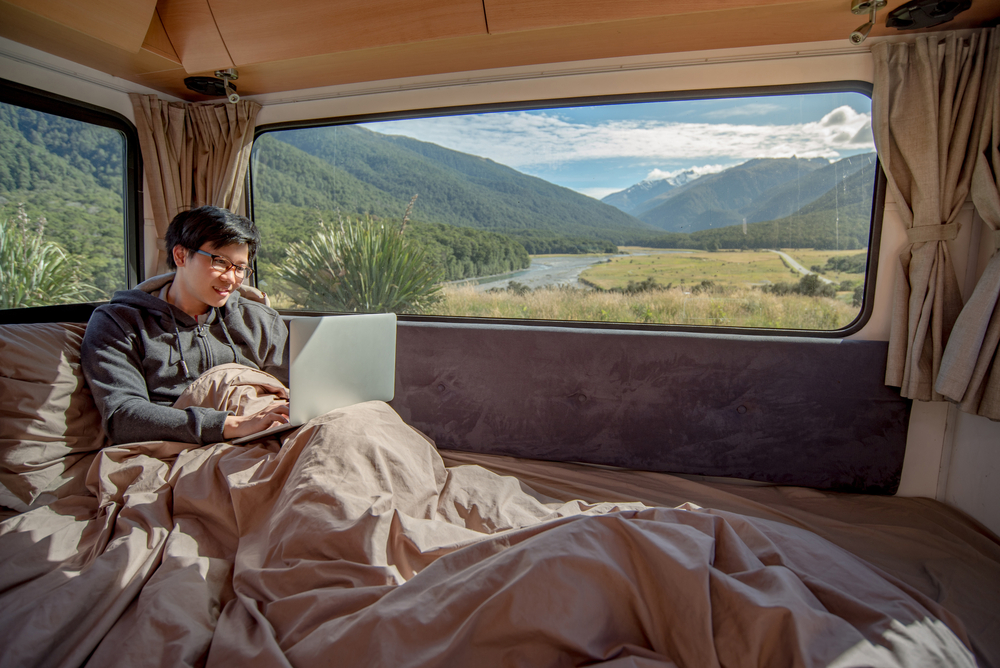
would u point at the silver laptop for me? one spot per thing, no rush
(336, 361)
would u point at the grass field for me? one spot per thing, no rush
(731, 301)
(740, 307)
(727, 268)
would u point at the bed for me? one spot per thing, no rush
(358, 542)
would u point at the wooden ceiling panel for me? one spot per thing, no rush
(40, 33)
(192, 31)
(122, 23)
(157, 41)
(582, 42)
(258, 31)
(516, 15)
(275, 69)
(819, 20)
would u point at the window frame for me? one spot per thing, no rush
(845, 86)
(43, 101)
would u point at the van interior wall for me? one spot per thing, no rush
(950, 455)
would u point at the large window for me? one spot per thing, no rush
(749, 212)
(63, 201)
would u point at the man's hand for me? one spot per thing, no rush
(244, 425)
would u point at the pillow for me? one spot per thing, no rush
(48, 420)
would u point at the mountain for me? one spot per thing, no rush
(717, 200)
(351, 169)
(649, 192)
(630, 199)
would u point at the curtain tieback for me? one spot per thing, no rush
(161, 244)
(923, 233)
(996, 239)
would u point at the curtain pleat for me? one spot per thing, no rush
(970, 370)
(223, 139)
(193, 155)
(923, 116)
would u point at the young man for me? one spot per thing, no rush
(143, 349)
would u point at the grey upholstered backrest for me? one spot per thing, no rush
(811, 412)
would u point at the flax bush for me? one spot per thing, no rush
(34, 272)
(361, 266)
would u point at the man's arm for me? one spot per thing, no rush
(112, 365)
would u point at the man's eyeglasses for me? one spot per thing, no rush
(222, 265)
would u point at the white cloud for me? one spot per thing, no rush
(752, 109)
(690, 173)
(524, 140)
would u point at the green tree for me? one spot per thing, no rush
(34, 272)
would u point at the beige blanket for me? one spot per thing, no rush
(352, 544)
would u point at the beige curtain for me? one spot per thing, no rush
(166, 162)
(223, 135)
(970, 370)
(923, 112)
(192, 155)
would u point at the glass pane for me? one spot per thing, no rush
(61, 209)
(748, 212)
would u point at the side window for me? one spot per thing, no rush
(746, 212)
(62, 204)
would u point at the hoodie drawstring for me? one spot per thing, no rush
(225, 330)
(177, 342)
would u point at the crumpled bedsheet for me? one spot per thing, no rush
(352, 544)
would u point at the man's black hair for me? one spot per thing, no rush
(210, 225)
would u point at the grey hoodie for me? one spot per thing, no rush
(139, 353)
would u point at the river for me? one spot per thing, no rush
(544, 271)
(552, 270)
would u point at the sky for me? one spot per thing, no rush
(599, 150)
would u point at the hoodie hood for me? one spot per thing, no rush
(145, 296)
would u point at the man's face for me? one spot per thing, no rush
(207, 281)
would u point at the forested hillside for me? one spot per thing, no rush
(786, 199)
(364, 171)
(461, 252)
(478, 217)
(70, 174)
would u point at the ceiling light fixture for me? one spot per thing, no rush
(218, 86)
